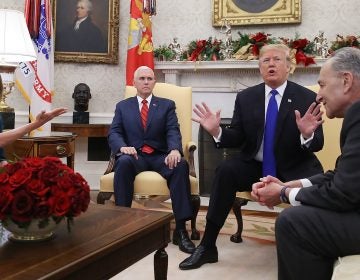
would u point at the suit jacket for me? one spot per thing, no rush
(247, 130)
(339, 190)
(162, 130)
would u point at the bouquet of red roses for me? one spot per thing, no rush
(43, 189)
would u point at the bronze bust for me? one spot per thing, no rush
(81, 97)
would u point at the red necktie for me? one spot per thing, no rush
(144, 115)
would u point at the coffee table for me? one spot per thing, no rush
(104, 241)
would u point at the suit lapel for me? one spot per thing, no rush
(258, 103)
(134, 107)
(258, 108)
(154, 105)
(285, 108)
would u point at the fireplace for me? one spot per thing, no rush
(210, 157)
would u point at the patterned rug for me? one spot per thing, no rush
(257, 224)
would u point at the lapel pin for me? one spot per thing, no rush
(289, 100)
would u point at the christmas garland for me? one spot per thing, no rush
(247, 47)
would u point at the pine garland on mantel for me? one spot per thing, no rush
(247, 46)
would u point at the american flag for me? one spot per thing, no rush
(35, 80)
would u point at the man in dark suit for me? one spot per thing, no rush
(292, 148)
(83, 35)
(148, 138)
(325, 224)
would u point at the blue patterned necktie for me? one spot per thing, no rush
(269, 162)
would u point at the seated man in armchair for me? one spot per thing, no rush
(145, 135)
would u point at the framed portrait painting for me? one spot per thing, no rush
(253, 12)
(86, 31)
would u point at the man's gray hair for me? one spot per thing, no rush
(346, 59)
(87, 3)
(277, 47)
(143, 67)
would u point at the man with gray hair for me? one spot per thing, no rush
(145, 136)
(276, 126)
(82, 35)
(324, 224)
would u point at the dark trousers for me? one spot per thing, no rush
(230, 176)
(127, 167)
(310, 239)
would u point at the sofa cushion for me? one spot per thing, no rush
(147, 182)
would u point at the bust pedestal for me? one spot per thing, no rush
(81, 117)
(8, 119)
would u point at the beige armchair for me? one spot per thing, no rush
(151, 183)
(327, 157)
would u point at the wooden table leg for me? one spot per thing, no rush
(160, 264)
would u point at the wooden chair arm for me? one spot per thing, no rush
(111, 164)
(190, 149)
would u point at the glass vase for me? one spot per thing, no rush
(35, 231)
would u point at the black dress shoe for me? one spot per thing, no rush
(200, 256)
(181, 238)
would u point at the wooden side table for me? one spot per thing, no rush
(41, 144)
(96, 137)
(82, 130)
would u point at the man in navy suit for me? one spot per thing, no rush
(298, 134)
(324, 223)
(156, 147)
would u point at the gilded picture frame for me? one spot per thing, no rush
(256, 12)
(96, 40)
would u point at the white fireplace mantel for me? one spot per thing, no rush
(225, 75)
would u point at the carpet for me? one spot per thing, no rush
(257, 224)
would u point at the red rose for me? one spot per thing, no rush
(20, 177)
(65, 181)
(79, 182)
(12, 168)
(49, 172)
(6, 198)
(259, 37)
(80, 203)
(302, 58)
(4, 177)
(43, 209)
(300, 44)
(61, 204)
(34, 163)
(21, 210)
(37, 187)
